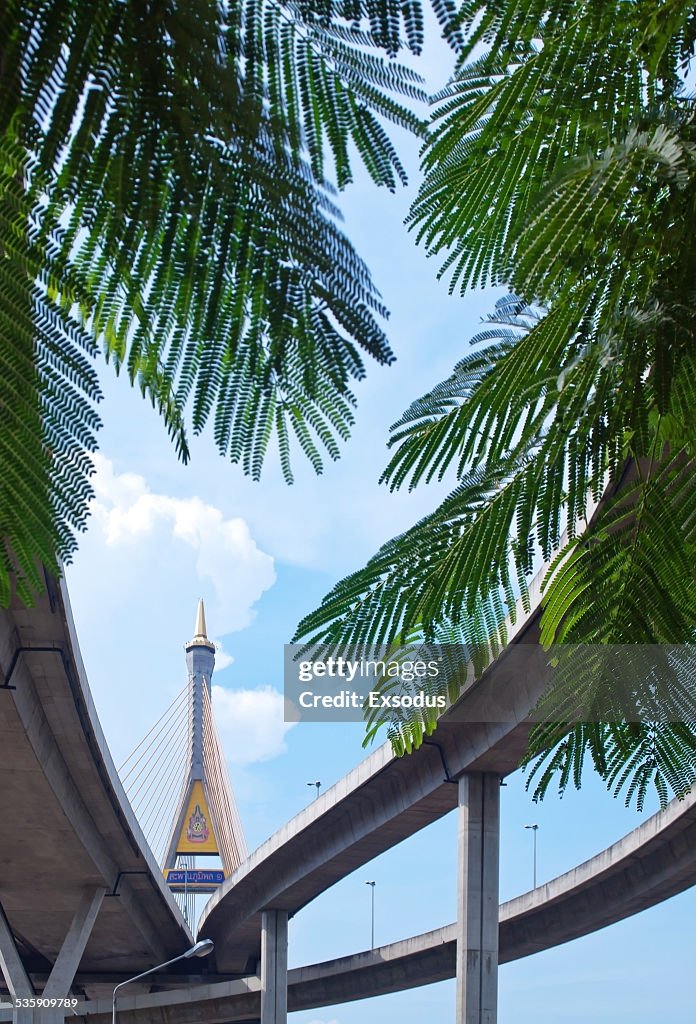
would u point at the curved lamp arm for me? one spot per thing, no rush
(202, 948)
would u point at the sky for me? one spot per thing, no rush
(262, 555)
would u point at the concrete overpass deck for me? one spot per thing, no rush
(652, 863)
(382, 801)
(69, 835)
(76, 837)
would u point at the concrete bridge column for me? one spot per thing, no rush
(274, 967)
(68, 960)
(477, 899)
(64, 969)
(16, 978)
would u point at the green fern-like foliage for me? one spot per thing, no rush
(165, 198)
(556, 82)
(434, 572)
(561, 164)
(456, 576)
(629, 580)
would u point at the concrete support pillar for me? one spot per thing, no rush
(274, 967)
(477, 899)
(68, 960)
(16, 978)
(64, 969)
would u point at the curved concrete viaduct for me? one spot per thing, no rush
(379, 803)
(74, 862)
(91, 899)
(652, 863)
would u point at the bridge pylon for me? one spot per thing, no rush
(206, 823)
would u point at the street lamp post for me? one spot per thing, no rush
(317, 785)
(202, 948)
(535, 829)
(372, 916)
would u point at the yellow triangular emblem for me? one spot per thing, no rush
(197, 835)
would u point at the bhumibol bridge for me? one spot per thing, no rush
(86, 903)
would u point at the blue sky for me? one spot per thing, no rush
(162, 535)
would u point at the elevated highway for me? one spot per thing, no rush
(77, 839)
(652, 863)
(80, 887)
(72, 854)
(382, 801)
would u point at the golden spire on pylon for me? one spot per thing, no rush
(200, 633)
(200, 638)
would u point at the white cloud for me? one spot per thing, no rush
(226, 555)
(223, 660)
(250, 723)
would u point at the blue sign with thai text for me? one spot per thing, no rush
(195, 876)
